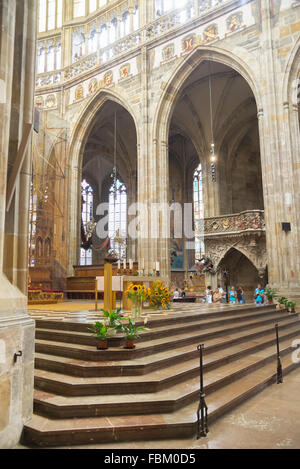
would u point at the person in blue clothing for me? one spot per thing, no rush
(259, 295)
(232, 295)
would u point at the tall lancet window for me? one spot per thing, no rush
(32, 225)
(117, 222)
(198, 212)
(86, 256)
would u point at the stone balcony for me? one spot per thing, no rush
(247, 222)
(244, 232)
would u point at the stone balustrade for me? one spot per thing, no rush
(238, 223)
(165, 23)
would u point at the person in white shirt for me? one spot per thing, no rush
(208, 294)
(176, 294)
(223, 293)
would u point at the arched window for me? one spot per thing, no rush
(92, 43)
(79, 8)
(49, 14)
(198, 212)
(58, 56)
(78, 45)
(86, 256)
(113, 30)
(41, 59)
(92, 6)
(32, 225)
(103, 36)
(125, 24)
(50, 58)
(117, 221)
(164, 6)
(136, 18)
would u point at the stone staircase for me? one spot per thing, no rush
(87, 396)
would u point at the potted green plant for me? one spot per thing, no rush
(131, 333)
(113, 321)
(270, 294)
(291, 306)
(100, 331)
(282, 301)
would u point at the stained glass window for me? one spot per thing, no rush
(32, 225)
(198, 212)
(117, 222)
(86, 256)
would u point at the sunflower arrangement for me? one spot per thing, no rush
(159, 295)
(137, 294)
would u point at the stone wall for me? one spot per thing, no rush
(17, 76)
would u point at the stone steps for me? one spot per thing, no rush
(86, 396)
(181, 423)
(85, 338)
(89, 353)
(170, 318)
(162, 377)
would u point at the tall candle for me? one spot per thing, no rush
(157, 267)
(124, 264)
(130, 264)
(119, 264)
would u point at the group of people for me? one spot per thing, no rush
(219, 295)
(235, 295)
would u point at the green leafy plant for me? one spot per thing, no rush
(113, 319)
(270, 293)
(131, 331)
(100, 331)
(291, 305)
(282, 300)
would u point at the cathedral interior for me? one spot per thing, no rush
(164, 136)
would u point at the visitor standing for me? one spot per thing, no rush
(208, 294)
(232, 295)
(259, 295)
(240, 296)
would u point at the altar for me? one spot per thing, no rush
(120, 283)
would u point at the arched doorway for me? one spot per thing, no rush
(241, 272)
(109, 166)
(93, 155)
(215, 105)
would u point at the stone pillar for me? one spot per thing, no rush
(18, 29)
(280, 184)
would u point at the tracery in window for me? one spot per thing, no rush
(79, 8)
(78, 44)
(86, 256)
(117, 221)
(198, 212)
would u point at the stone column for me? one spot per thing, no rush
(18, 28)
(278, 160)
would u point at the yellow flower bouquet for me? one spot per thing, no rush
(137, 294)
(159, 295)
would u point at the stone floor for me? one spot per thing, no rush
(270, 420)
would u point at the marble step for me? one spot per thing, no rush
(156, 361)
(89, 353)
(182, 423)
(86, 338)
(166, 400)
(170, 318)
(159, 379)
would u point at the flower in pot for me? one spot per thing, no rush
(291, 306)
(270, 294)
(100, 331)
(132, 332)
